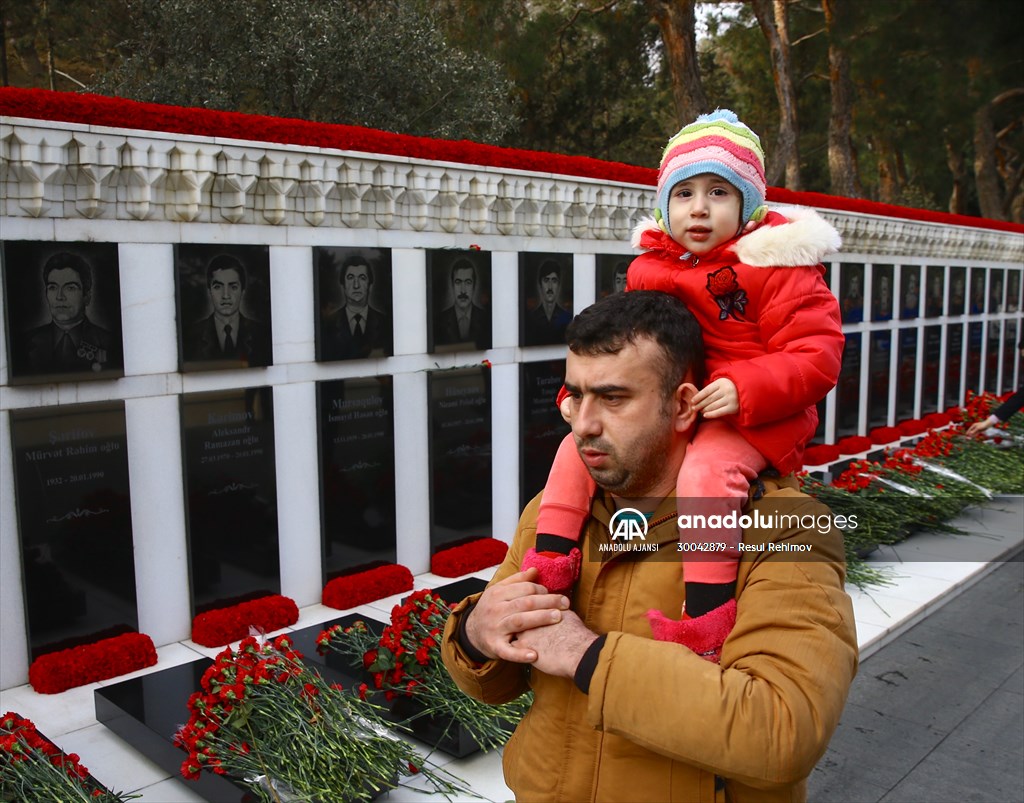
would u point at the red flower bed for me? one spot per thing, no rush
(466, 558)
(75, 107)
(912, 426)
(224, 625)
(855, 444)
(883, 435)
(59, 671)
(362, 587)
(956, 415)
(936, 420)
(820, 454)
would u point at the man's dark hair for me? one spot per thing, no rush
(65, 259)
(462, 264)
(351, 262)
(549, 266)
(614, 322)
(225, 262)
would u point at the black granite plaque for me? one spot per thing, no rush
(147, 711)
(935, 291)
(545, 285)
(931, 369)
(906, 373)
(1013, 282)
(611, 273)
(957, 291)
(357, 474)
(975, 332)
(848, 388)
(223, 306)
(231, 496)
(353, 303)
(879, 379)
(541, 426)
(954, 362)
(1010, 354)
(459, 312)
(460, 455)
(881, 293)
(851, 292)
(996, 300)
(976, 304)
(63, 311)
(994, 336)
(74, 517)
(910, 292)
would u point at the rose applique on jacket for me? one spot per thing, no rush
(725, 289)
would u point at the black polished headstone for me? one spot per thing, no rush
(848, 388)
(1010, 353)
(975, 332)
(460, 455)
(63, 311)
(878, 379)
(930, 371)
(74, 518)
(541, 426)
(994, 338)
(231, 492)
(335, 668)
(954, 362)
(906, 373)
(357, 473)
(147, 711)
(935, 291)
(881, 293)
(910, 292)
(851, 293)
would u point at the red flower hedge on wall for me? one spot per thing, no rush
(465, 558)
(75, 107)
(59, 671)
(222, 626)
(362, 587)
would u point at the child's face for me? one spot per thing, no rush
(704, 212)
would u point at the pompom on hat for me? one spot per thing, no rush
(715, 143)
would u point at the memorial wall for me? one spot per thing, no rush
(232, 368)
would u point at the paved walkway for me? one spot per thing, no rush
(937, 715)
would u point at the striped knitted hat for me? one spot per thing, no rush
(715, 143)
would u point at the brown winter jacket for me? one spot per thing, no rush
(659, 723)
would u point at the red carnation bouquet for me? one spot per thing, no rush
(32, 768)
(265, 719)
(406, 661)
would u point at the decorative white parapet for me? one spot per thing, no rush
(65, 170)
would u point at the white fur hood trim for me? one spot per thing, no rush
(805, 240)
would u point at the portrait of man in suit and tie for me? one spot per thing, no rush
(547, 281)
(64, 311)
(461, 293)
(229, 331)
(359, 328)
(611, 273)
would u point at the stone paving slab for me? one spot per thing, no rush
(938, 714)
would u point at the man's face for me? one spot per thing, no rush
(357, 285)
(619, 283)
(549, 284)
(65, 296)
(622, 424)
(225, 291)
(462, 286)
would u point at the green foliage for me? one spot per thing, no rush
(378, 63)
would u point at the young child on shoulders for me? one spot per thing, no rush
(773, 342)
